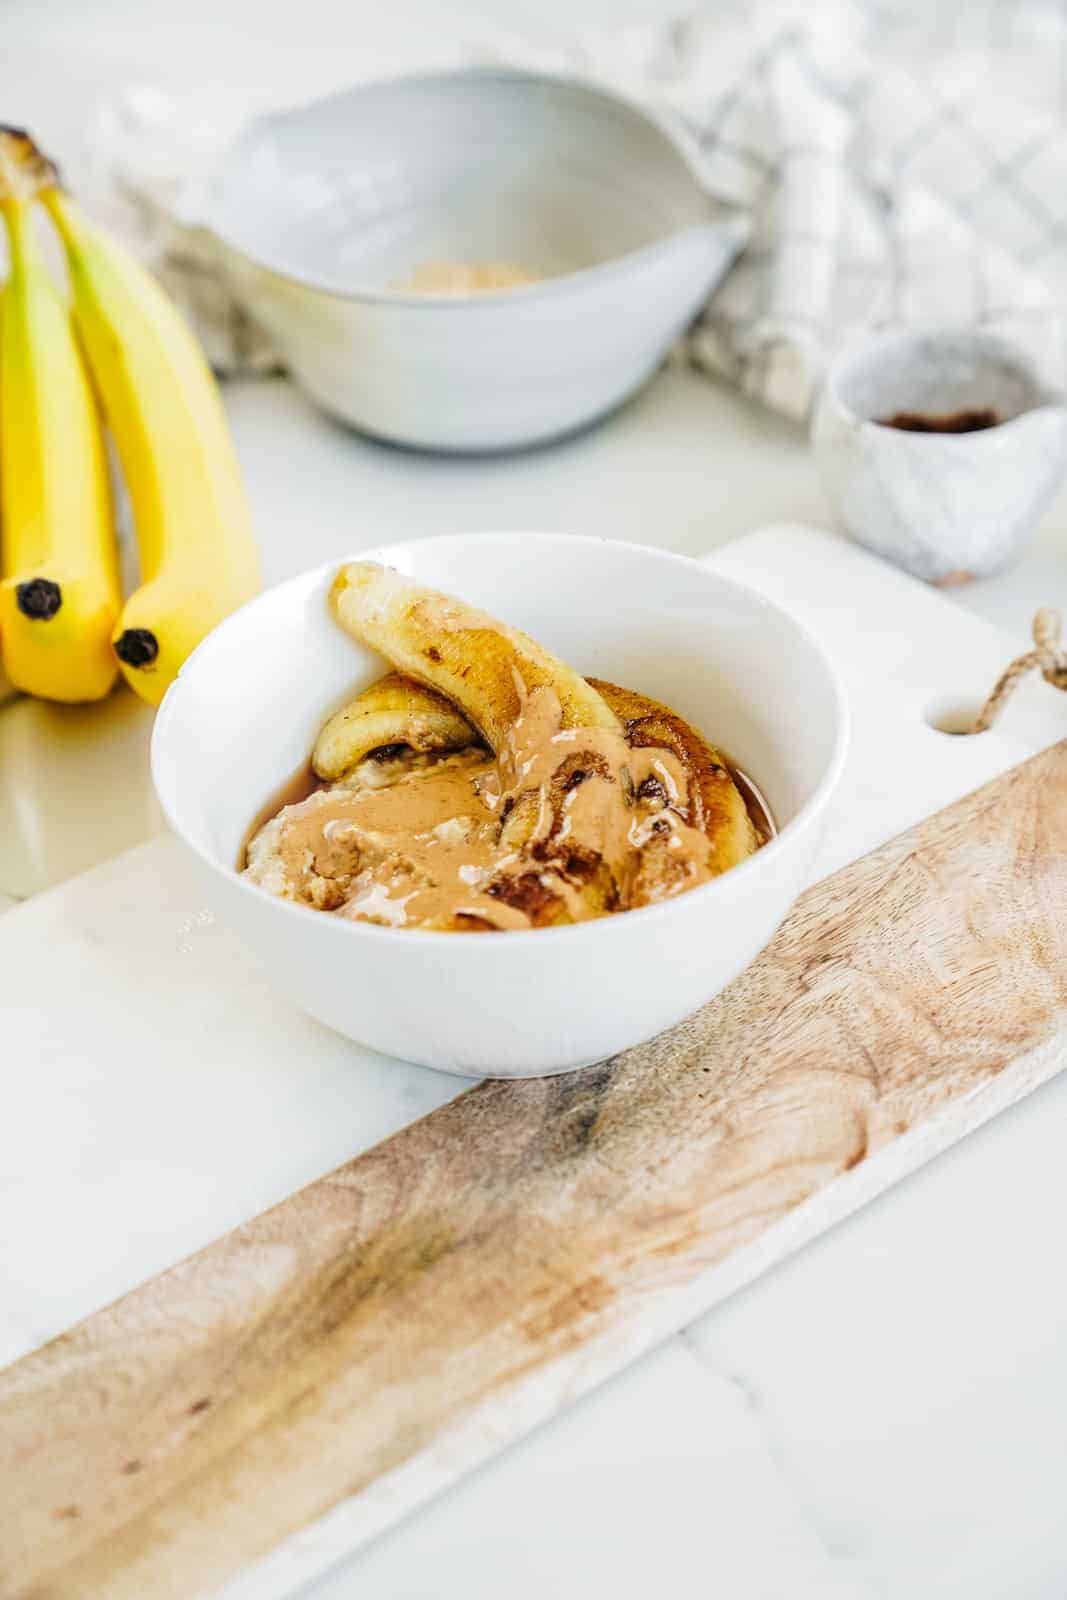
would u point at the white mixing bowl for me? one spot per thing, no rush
(243, 714)
(322, 211)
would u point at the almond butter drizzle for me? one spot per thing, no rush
(563, 825)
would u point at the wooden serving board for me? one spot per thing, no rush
(387, 1327)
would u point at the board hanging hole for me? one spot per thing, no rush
(954, 714)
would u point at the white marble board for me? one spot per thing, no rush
(177, 1096)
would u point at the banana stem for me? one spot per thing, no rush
(25, 171)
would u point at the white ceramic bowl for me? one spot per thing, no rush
(322, 209)
(945, 506)
(243, 714)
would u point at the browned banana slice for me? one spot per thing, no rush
(716, 805)
(485, 668)
(395, 711)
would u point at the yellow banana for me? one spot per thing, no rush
(485, 668)
(59, 594)
(198, 557)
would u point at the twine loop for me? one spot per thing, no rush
(1047, 657)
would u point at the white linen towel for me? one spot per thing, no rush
(900, 162)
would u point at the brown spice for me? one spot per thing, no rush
(971, 419)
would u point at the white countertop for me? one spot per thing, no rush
(887, 1413)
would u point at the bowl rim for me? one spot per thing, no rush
(756, 866)
(731, 227)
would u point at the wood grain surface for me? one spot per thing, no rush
(165, 1443)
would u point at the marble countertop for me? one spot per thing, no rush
(884, 1415)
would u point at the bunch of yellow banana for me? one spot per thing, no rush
(120, 347)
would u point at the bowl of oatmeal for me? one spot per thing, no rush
(503, 804)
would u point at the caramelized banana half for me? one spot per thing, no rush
(394, 713)
(483, 667)
(713, 804)
(716, 805)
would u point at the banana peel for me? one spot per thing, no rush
(59, 579)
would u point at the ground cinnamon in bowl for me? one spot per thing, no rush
(460, 278)
(970, 419)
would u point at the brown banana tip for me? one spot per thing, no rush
(38, 599)
(25, 171)
(137, 647)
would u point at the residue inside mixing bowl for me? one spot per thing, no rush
(466, 277)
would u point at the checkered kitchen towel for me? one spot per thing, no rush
(899, 161)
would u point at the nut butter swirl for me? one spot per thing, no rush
(595, 799)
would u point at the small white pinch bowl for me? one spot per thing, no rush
(244, 712)
(321, 211)
(946, 507)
